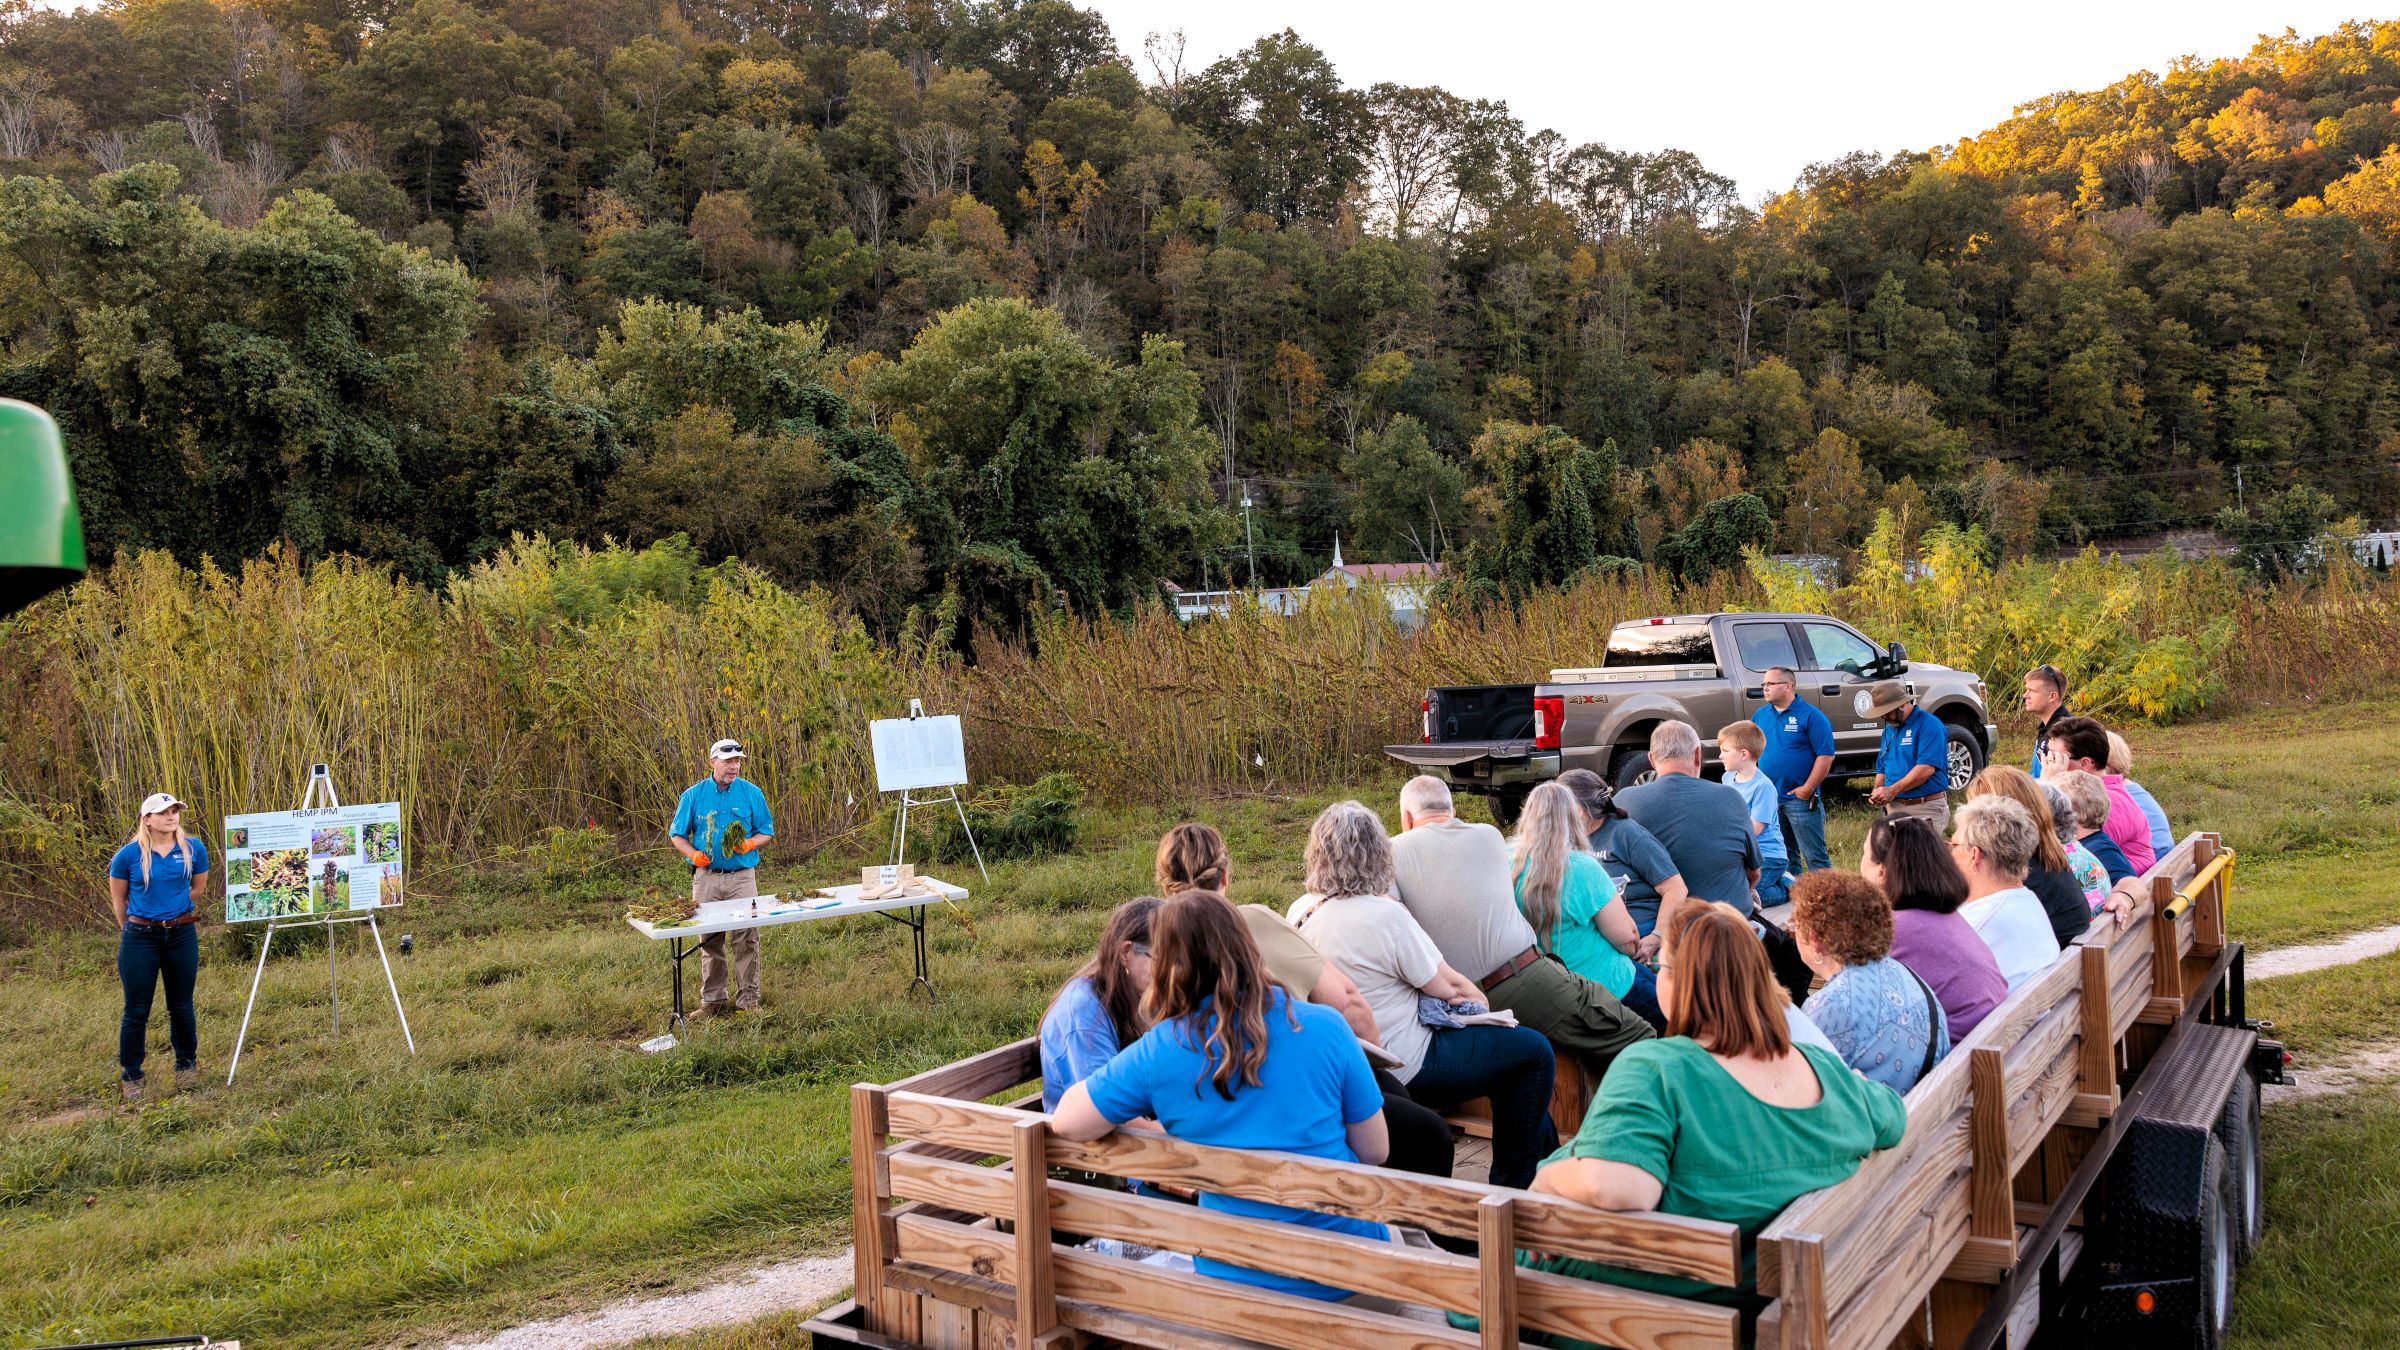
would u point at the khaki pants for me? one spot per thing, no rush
(707, 886)
(1934, 811)
(1580, 1018)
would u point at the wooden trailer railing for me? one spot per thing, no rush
(1909, 1249)
(957, 1218)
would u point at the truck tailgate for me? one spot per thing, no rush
(1449, 754)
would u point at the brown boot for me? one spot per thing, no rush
(187, 1080)
(131, 1087)
(709, 1010)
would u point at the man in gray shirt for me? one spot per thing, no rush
(1705, 826)
(1458, 882)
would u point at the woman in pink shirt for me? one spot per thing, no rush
(2081, 743)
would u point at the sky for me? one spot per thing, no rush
(1758, 91)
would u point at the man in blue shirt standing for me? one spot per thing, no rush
(720, 872)
(1912, 769)
(1799, 755)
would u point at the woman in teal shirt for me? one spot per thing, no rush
(1568, 897)
(1722, 1119)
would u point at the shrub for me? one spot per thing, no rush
(1014, 822)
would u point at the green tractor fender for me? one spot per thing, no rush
(41, 534)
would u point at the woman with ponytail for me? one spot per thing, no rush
(152, 884)
(1235, 1060)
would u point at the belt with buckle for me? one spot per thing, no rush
(162, 925)
(1511, 966)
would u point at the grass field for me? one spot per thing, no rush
(530, 1161)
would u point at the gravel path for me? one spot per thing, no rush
(743, 1298)
(2300, 960)
(805, 1283)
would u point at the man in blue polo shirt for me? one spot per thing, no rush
(707, 807)
(1912, 769)
(1799, 755)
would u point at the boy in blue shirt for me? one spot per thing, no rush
(1738, 747)
(706, 808)
(1912, 767)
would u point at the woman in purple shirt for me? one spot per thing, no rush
(1913, 866)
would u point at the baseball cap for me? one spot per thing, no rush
(728, 748)
(159, 801)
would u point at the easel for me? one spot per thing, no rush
(320, 784)
(949, 793)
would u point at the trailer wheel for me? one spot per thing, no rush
(2245, 1165)
(2214, 1317)
(1632, 769)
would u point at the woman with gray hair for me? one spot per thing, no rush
(2090, 876)
(1349, 915)
(1992, 844)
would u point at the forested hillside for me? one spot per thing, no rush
(971, 306)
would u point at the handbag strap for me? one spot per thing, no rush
(1933, 1021)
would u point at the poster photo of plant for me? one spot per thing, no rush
(381, 843)
(237, 872)
(334, 841)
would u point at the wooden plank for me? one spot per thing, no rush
(1805, 1320)
(870, 1239)
(2096, 1081)
(1570, 1307)
(946, 1325)
(2166, 952)
(1660, 1243)
(1176, 1297)
(1991, 1210)
(1570, 1095)
(2208, 936)
(1037, 1307)
(1983, 1260)
(1497, 1266)
(993, 1071)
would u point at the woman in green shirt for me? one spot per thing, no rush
(1572, 904)
(1724, 1118)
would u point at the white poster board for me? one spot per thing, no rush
(327, 860)
(918, 752)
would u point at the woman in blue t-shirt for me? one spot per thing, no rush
(1098, 1012)
(153, 883)
(1232, 1061)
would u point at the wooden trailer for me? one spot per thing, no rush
(1992, 1216)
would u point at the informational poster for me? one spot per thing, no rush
(328, 860)
(918, 752)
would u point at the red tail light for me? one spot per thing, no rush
(1427, 719)
(1549, 718)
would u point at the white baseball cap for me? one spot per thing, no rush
(726, 749)
(157, 802)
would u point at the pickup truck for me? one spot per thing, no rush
(1500, 740)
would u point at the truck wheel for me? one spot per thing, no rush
(1966, 757)
(2245, 1165)
(1632, 769)
(1505, 808)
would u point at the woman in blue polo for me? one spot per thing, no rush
(153, 883)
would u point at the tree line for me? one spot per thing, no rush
(962, 308)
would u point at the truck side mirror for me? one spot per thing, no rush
(1898, 653)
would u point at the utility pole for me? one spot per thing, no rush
(2240, 502)
(1250, 537)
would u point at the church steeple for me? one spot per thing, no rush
(1337, 550)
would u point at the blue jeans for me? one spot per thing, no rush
(1804, 833)
(1642, 999)
(1771, 889)
(1512, 1066)
(145, 958)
